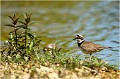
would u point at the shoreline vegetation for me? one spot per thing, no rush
(21, 57)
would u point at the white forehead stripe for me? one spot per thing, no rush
(79, 36)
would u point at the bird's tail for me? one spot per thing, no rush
(107, 47)
(112, 48)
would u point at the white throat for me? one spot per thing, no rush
(80, 40)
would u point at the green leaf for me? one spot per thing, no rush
(27, 20)
(32, 23)
(22, 47)
(30, 35)
(38, 41)
(10, 25)
(15, 21)
(22, 22)
(22, 26)
(20, 37)
(31, 45)
(11, 18)
(18, 56)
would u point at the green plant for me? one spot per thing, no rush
(25, 26)
(20, 44)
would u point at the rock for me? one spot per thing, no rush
(53, 75)
(26, 76)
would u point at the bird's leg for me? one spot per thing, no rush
(90, 57)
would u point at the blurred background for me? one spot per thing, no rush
(59, 22)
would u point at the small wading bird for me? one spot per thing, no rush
(88, 47)
(51, 48)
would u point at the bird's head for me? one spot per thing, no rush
(78, 37)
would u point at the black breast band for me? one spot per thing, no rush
(80, 43)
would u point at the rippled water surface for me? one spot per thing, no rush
(59, 22)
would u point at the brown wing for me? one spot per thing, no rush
(91, 47)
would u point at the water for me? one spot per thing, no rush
(59, 22)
